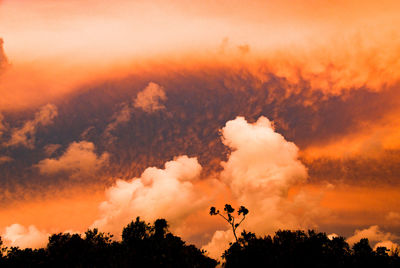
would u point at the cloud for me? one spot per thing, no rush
(219, 242)
(159, 193)
(332, 236)
(261, 159)
(17, 235)
(375, 235)
(79, 160)
(149, 100)
(261, 169)
(123, 115)
(25, 135)
(388, 244)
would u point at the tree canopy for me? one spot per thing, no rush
(142, 245)
(153, 245)
(305, 249)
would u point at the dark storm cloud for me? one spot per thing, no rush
(196, 106)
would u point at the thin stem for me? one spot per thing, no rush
(234, 228)
(223, 217)
(242, 220)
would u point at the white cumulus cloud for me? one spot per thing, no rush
(17, 235)
(261, 169)
(168, 193)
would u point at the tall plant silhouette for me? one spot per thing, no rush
(228, 216)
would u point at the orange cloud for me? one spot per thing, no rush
(261, 169)
(17, 235)
(25, 135)
(376, 237)
(149, 100)
(159, 193)
(79, 159)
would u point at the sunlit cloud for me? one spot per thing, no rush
(150, 99)
(17, 235)
(376, 237)
(261, 169)
(79, 160)
(159, 193)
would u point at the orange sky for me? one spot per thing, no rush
(331, 48)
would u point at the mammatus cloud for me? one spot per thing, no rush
(376, 237)
(260, 170)
(23, 237)
(159, 193)
(25, 135)
(149, 100)
(79, 160)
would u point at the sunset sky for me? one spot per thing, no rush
(111, 110)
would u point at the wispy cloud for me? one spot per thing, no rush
(25, 135)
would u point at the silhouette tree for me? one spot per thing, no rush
(153, 245)
(136, 231)
(304, 249)
(142, 245)
(229, 216)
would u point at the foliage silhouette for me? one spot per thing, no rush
(229, 217)
(142, 245)
(305, 249)
(152, 245)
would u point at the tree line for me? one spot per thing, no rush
(142, 245)
(153, 245)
